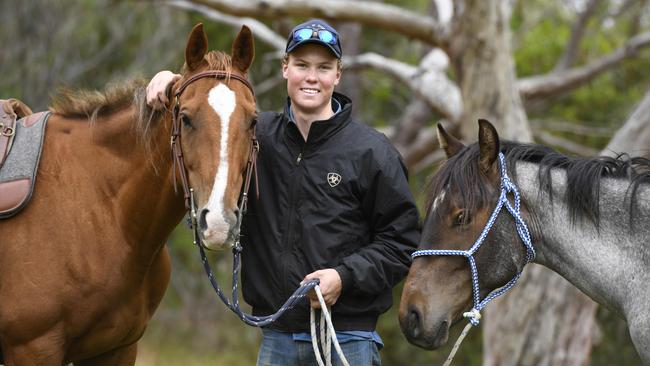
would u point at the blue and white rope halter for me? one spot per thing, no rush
(507, 186)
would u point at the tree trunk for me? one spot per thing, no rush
(543, 321)
(351, 83)
(482, 56)
(634, 136)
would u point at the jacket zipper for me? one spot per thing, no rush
(289, 237)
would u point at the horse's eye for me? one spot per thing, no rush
(187, 122)
(253, 122)
(462, 218)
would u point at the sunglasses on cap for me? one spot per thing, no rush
(314, 33)
(324, 35)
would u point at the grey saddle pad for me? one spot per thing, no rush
(18, 173)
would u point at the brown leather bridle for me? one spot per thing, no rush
(177, 150)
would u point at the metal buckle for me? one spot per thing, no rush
(193, 216)
(7, 131)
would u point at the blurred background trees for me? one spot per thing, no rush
(567, 73)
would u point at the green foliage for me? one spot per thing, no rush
(605, 101)
(383, 100)
(99, 41)
(541, 47)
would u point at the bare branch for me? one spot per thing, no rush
(269, 84)
(565, 144)
(556, 83)
(424, 151)
(577, 32)
(261, 31)
(427, 81)
(561, 126)
(400, 71)
(428, 161)
(634, 136)
(414, 117)
(384, 16)
(424, 144)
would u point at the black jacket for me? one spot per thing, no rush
(340, 200)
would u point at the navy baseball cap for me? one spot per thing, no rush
(315, 31)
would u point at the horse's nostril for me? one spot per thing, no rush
(203, 224)
(413, 321)
(236, 212)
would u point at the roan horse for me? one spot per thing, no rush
(84, 266)
(588, 219)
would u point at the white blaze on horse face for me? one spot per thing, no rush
(439, 199)
(223, 101)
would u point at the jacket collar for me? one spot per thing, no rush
(322, 130)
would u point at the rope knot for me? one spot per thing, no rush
(237, 248)
(473, 315)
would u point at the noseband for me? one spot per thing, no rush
(177, 150)
(507, 186)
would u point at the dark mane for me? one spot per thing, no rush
(584, 174)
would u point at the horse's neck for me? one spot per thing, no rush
(139, 176)
(609, 262)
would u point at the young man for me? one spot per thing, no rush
(334, 205)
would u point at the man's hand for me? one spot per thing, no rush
(330, 286)
(157, 89)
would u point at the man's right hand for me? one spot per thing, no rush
(157, 89)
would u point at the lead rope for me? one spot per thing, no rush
(327, 328)
(457, 344)
(327, 334)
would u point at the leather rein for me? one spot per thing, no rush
(177, 150)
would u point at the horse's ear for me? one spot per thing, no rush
(197, 46)
(449, 143)
(488, 142)
(243, 50)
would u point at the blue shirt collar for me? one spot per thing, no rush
(336, 108)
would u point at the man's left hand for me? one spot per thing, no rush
(330, 286)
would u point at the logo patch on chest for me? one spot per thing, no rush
(333, 179)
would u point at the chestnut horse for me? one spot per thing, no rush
(587, 218)
(84, 266)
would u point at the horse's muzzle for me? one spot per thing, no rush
(218, 231)
(428, 335)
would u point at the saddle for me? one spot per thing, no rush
(21, 141)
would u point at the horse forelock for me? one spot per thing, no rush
(216, 60)
(461, 180)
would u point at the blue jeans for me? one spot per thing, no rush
(280, 349)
